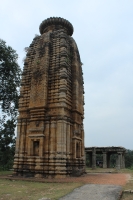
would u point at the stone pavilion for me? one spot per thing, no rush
(106, 153)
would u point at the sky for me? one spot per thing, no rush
(103, 31)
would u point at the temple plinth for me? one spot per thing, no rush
(50, 133)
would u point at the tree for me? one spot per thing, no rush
(7, 144)
(129, 159)
(10, 73)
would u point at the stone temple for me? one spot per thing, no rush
(50, 133)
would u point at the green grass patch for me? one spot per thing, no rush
(127, 170)
(24, 190)
(100, 170)
(129, 185)
(127, 197)
(6, 173)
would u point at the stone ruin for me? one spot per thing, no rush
(106, 152)
(50, 134)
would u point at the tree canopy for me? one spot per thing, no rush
(10, 73)
(9, 79)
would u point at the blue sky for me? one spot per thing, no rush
(103, 31)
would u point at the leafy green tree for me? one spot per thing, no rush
(129, 159)
(7, 144)
(10, 73)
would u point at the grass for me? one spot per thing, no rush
(101, 170)
(24, 190)
(5, 173)
(128, 186)
(127, 197)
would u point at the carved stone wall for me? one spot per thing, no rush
(50, 134)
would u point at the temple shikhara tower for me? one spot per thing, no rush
(50, 133)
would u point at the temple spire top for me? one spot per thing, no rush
(56, 22)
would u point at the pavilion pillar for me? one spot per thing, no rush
(123, 160)
(118, 161)
(90, 159)
(85, 156)
(94, 158)
(108, 160)
(104, 160)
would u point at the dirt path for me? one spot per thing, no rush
(93, 178)
(98, 186)
(101, 188)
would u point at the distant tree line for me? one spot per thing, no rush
(129, 159)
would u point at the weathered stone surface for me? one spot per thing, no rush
(106, 152)
(50, 134)
(127, 191)
(94, 191)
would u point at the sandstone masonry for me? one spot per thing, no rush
(50, 134)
